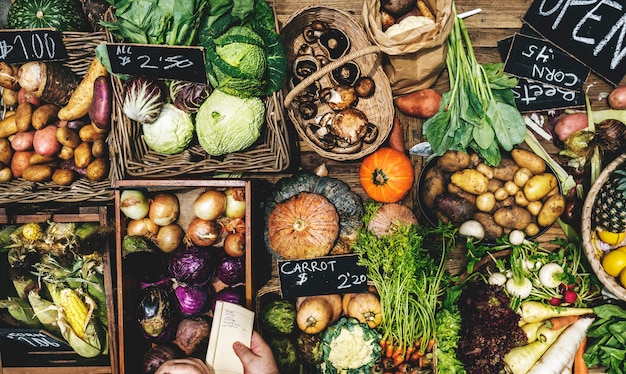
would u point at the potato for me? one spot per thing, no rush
(422, 103)
(511, 187)
(529, 160)
(493, 185)
(63, 177)
(521, 176)
(37, 173)
(9, 97)
(485, 202)
(8, 126)
(454, 189)
(66, 153)
(539, 186)
(569, 124)
(501, 194)
(82, 155)
(534, 207)
(37, 159)
(433, 184)
(505, 170)
(520, 199)
(452, 161)
(22, 141)
(455, 208)
(513, 217)
(485, 169)
(24, 116)
(532, 229)
(98, 169)
(470, 180)
(99, 148)
(68, 137)
(6, 152)
(551, 210)
(45, 141)
(492, 229)
(617, 97)
(90, 133)
(5, 174)
(19, 162)
(44, 115)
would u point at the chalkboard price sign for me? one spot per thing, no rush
(321, 276)
(591, 31)
(159, 61)
(19, 46)
(35, 339)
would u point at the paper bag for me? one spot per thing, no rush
(413, 59)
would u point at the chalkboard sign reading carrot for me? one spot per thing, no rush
(321, 276)
(158, 61)
(591, 31)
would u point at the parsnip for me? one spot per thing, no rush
(78, 105)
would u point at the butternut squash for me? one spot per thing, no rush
(314, 313)
(365, 307)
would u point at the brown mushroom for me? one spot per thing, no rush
(350, 125)
(335, 42)
(339, 97)
(364, 87)
(304, 66)
(347, 74)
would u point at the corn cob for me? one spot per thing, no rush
(32, 231)
(77, 312)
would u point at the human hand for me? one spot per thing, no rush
(258, 359)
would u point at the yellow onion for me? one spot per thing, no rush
(210, 205)
(134, 204)
(169, 237)
(144, 227)
(235, 202)
(164, 209)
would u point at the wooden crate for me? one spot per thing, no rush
(131, 343)
(15, 360)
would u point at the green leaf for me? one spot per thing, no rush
(609, 311)
(497, 78)
(505, 95)
(483, 134)
(507, 123)
(491, 155)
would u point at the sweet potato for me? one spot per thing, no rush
(78, 104)
(101, 103)
(422, 103)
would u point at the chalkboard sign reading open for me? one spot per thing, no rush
(159, 61)
(591, 31)
(20, 46)
(35, 339)
(532, 96)
(321, 276)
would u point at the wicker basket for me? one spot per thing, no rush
(378, 108)
(589, 239)
(80, 50)
(269, 154)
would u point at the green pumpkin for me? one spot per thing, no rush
(348, 203)
(62, 15)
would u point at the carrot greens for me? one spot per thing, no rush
(478, 111)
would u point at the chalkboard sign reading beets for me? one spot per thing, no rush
(321, 276)
(159, 61)
(591, 31)
(20, 46)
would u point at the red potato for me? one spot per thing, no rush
(569, 124)
(45, 141)
(617, 97)
(422, 103)
(23, 141)
(19, 162)
(100, 106)
(23, 95)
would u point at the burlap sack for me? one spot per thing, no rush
(413, 59)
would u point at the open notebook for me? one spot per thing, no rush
(231, 323)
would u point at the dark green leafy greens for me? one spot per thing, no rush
(478, 111)
(607, 344)
(171, 22)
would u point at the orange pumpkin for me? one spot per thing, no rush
(386, 175)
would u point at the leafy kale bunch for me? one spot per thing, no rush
(489, 328)
(170, 22)
(245, 56)
(478, 111)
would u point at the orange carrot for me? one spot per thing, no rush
(556, 323)
(388, 349)
(580, 366)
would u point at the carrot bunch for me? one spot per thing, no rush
(405, 358)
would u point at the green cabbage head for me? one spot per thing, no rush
(171, 132)
(227, 123)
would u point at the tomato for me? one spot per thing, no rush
(614, 262)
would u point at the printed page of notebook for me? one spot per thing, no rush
(231, 323)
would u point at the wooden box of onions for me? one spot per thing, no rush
(181, 245)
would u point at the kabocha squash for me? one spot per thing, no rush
(304, 226)
(347, 203)
(62, 15)
(386, 175)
